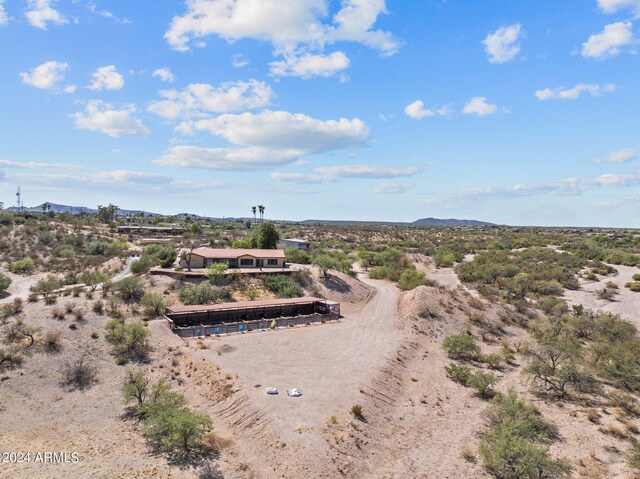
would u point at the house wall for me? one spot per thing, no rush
(254, 264)
(197, 261)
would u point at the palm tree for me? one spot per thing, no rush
(261, 209)
(253, 210)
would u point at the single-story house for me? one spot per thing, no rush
(203, 257)
(294, 243)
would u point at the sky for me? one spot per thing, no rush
(522, 113)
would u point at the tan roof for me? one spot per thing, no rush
(233, 253)
(242, 304)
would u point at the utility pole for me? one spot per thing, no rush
(19, 197)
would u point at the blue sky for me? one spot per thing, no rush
(522, 113)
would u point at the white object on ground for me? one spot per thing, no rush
(294, 393)
(272, 390)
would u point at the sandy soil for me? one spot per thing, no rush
(443, 276)
(20, 285)
(626, 303)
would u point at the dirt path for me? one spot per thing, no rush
(331, 364)
(20, 286)
(626, 303)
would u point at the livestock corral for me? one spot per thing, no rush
(244, 316)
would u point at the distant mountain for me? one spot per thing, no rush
(75, 210)
(420, 222)
(450, 222)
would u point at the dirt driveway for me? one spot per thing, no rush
(330, 363)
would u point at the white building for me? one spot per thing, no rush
(294, 243)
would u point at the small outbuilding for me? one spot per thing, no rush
(294, 243)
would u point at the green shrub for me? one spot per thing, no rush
(633, 286)
(169, 424)
(130, 289)
(461, 346)
(636, 277)
(283, 286)
(25, 265)
(458, 373)
(46, 287)
(5, 282)
(515, 447)
(129, 340)
(203, 293)
(483, 382)
(154, 305)
(296, 255)
(411, 279)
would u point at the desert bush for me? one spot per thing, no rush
(93, 279)
(136, 386)
(283, 286)
(203, 293)
(10, 356)
(5, 282)
(24, 266)
(79, 373)
(295, 255)
(556, 364)
(130, 289)
(154, 305)
(461, 346)
(492, 360)
(633, 286)
(45, 287)
(19, 331)
(633, 456)
(607, 294)
(357, 411)
(458, 373)
(98, 307)
(51, 341)
(210, 471)
(169, 424)
(483, 382)
(411, 279)
(215, 273)
(129, 340)
(515, 447)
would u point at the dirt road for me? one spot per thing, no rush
(329, 363)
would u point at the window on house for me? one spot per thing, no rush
(272, 262)
(246, 262)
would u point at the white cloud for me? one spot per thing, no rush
(106, 78)
(229, 159)
(609, 42)
(303, 178)
(331, 174)
(4, 18)
(102, 117)
(613, 6)
(574, 93)
(201, 99)
(164, 74)
(303, 29)
(46, 75)
(310, 65)
(238, 60)
(366, 171)
(479, 106)
(568, 186)
(70, 89)
(389, 187)
(619, 156)
(32, 165)
(502, 45)
(417, 111)
(41, 12)
(265, 140)
(284, 130)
